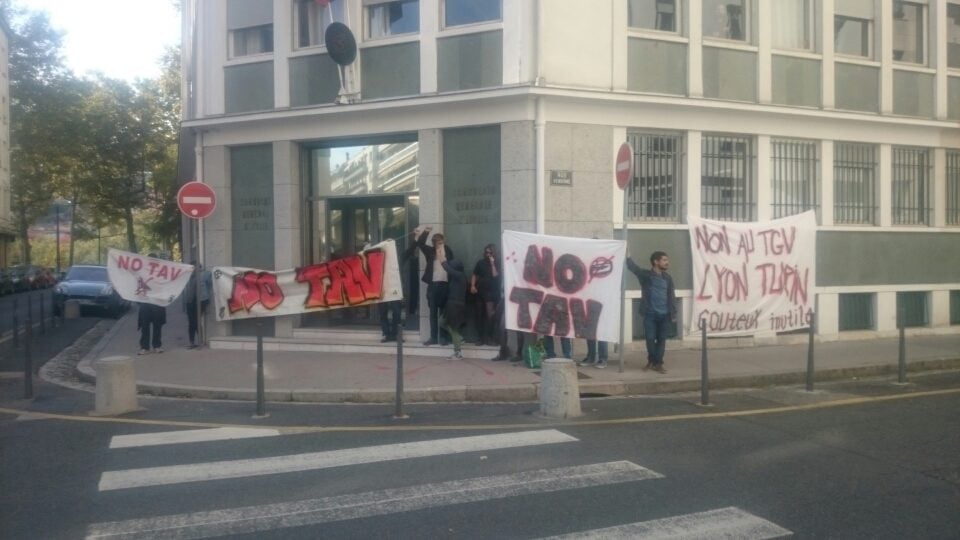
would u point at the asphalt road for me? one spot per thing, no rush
(24, 305)
(882, 463)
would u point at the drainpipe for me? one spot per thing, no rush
(198, 229)
(539, 126)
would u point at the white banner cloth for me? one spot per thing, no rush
(562, 286)
(145, 279)
(369, 277)
(751, 278)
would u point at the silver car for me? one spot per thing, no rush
(90, 286)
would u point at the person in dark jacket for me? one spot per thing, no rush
(435, 277)
(454, 312)
(486, 282)
(657, 306)
(390, 311)
(150, 321)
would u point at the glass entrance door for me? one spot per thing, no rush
(350, 223)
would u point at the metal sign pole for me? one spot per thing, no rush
(623, 285)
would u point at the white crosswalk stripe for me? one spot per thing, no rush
(727, 522)
(374, 503)
(710, 525)
(197, 472)
(188, 436)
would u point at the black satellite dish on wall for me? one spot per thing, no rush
(341, 45)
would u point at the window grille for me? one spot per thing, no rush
(953, 187)
(854, 184)
(911, 186)
(727, 189)
(656, 190)
(794, 177)
(912, 309)
(856, 311)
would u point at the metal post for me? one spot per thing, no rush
(810, 320)
(261, 399)
(57, 205)
(623, 287)
(704, 371)
(28, 359)
(902, 356)
(16, 325)
(43, 319)
(398, 411)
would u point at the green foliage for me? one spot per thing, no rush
(108, 146)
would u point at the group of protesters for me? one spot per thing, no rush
(447, 286)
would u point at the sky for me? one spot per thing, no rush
(123, 39)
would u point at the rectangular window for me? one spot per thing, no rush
(854, 184)
(794, 177)
(954, 307)
(252, 40)
(726, 19)
(909, 32)
(913, 93)
(911, 186)
(912, 309)
(656, 66)
(953, 98)
(853, 27)
(856, 311)
(385, 19)
(953, 35)
(660, 15)
(312, 20)
(656, 190)
(953, 187)
(460, 12)
(796, 81)
(792, 26)
(472, 60)
(727, 178)
(729, 74)
(857, 87)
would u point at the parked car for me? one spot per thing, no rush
(90, 285)
(6, 282)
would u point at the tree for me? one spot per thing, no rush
(41, 94)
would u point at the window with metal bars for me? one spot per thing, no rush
(794, 177)
(727, 187)
(912, 309)
(854, 184)
(856, 311)
(656, 190)
(912, 204)
(953, 187)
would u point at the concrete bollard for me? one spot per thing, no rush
(116, 386)
(560, 390)
(71, 309)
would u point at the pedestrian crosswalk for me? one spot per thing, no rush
(209, 522)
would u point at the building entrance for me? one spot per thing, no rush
(349, 224)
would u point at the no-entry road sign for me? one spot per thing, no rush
(196, 200)
(624, 165)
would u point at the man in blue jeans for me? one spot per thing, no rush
(657, 306)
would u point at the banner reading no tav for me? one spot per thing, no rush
(752, 278)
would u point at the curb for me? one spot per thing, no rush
(514, 393)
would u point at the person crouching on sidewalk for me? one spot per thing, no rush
(454, 311)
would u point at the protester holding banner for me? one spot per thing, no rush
(150, 321)
(454, 311)
(436, 278)
(389, 312)
(190, 295)
(486, 282)
(657, 306)
(565, 347)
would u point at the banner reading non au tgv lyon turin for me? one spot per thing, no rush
(752, 278)
(562, 286)
(368, 277)
(145, 279)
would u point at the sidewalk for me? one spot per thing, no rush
(371, 378)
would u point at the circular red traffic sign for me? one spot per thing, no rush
(196, 200)
(624, 165)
